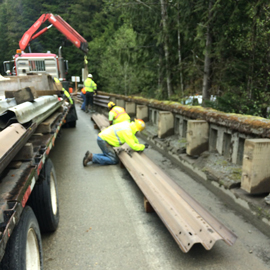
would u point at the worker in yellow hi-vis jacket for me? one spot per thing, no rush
(115, 136)
(90, 88)
(66, 93)
(117, 114)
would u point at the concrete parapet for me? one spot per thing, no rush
(197, 137)
(180, 126)
(131, 109)
(153, 116)
(113, 99)
(256, 170)
(142, 112)
(165, 124)
(120, 102)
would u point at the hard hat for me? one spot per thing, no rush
(110, 105)
(140, 125)
(90, 75)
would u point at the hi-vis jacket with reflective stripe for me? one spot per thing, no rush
(67, 95)
(90, 85)
(121, 133)
(118, 114)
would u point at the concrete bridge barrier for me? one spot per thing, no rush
(229, 151)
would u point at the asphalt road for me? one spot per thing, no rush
(103, 224)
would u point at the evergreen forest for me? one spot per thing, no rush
(161, 49)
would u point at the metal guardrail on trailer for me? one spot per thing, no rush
(187, 221)
(18, 182)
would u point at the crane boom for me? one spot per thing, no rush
(59, 24)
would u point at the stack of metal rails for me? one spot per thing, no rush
(27, 134)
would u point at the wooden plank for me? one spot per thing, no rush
(22, 95)
(40, 93)
(147, 206)
(46, 126)
(26, 153)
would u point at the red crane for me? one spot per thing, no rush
(58, 23)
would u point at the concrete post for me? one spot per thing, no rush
(256, 170)
(130, 108)
(165, 124)
(197, 137)
(120, 103)
(113, 99)
(142, 112)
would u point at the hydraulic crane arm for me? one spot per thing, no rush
(58, 23)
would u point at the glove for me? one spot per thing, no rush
(146, 145)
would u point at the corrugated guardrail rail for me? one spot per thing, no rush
(14, 136)
(188, 222)
(101, 100)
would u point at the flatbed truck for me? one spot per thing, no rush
(28, 191)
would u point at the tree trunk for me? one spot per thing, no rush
(160, 70)
(207, 59)
(125, 72)
(164, 17)
(179, 54)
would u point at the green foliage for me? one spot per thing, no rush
(126, 40)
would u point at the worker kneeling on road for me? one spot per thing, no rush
(117, 114)
(114, 136)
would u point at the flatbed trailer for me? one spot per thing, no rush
(28, 198)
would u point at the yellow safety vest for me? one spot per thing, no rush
(67, 95)
(121, 133)
(119, 114)
(90, 85)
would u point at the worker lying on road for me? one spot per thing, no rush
(117, 114)
(114, 136)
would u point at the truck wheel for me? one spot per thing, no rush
(72, 124)
(24, 248)
(44, 200)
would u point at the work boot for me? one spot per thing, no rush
(87, 157)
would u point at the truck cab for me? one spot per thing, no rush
(39, 63)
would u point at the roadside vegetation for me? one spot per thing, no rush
(162, 49)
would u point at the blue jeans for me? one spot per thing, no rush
(108, 157)
(84, 101)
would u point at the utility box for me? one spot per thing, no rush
(197, 137)
(165, 124)
(256, 170)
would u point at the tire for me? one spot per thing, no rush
(24, 248)
(72, 124)
(44, 199)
